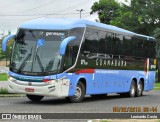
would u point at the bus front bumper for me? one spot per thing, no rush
(58, 88)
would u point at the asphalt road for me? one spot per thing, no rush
(89, 105)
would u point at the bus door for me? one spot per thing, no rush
(70, 56)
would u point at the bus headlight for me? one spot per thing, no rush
(49, 81)
(11, 79)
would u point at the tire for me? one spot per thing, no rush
(79, 95)
(34, 98)
(132, 91)
(139, 91)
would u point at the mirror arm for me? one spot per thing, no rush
(64, 44)
(5, 40)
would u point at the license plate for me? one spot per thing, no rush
(29, 90)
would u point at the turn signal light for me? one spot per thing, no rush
(46, 80)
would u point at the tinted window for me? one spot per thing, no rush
(114, 43)
(102, 42)
(128, 46)
(73, 46)
(91, 44)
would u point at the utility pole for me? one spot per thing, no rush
(80, 12)
(3, 32)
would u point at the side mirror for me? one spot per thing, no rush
(5, 40)
(64, 44)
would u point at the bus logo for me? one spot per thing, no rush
(40, 42)
(29, 83)
(83, 62)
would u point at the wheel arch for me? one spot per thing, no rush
(83, 80)
(142, 80)
(135, 80)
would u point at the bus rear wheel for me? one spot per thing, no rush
(79, 94)
(132, 91)
(139, 91)
(34, 98)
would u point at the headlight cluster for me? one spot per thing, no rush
(51, 82)
(11, 79)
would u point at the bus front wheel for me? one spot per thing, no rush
(34, 98)
(79, 93)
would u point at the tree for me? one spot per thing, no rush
(157, 36)
(141, 17)
(106, 9)
(6, 55)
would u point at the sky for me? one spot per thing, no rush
(14, 12)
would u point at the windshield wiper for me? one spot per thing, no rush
(24, 62)
(40, 63)
(49, 65)
(36, 56)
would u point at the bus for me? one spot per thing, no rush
(71, 58)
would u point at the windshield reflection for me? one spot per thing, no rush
(37, 51)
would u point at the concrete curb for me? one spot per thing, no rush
(12, 95)
(4, 85)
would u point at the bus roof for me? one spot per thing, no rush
(69, 23)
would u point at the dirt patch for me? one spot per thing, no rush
(3, 63)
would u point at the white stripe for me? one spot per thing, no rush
(93, 77)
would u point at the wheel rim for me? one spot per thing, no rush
(132, 90)
(78, 92)
(139, 88)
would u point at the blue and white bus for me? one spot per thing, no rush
(72, 58)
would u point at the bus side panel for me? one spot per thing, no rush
(104, 81)
(75, 78)
(113, 81)
(149, 84)
(110, 81)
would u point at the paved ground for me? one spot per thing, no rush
(3, 84)
(3, 69)
(90, 105)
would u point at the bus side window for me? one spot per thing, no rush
(91, 42)
(102, 42)
(68, 59)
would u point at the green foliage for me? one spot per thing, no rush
(3, 91)
(156, 34)
(106, 9)
(3, 77)
(6, 55)
(141, 17)
(157, 86)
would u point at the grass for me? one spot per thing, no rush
(3, 91)
(3, 77)
(157, 86)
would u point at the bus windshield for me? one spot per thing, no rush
(37, 52)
